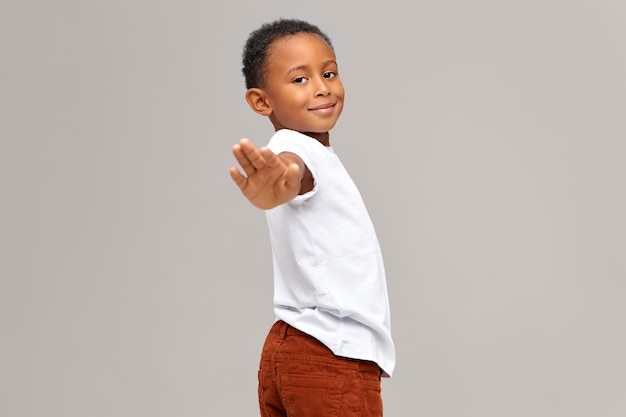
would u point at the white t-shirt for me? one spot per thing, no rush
(329, 278)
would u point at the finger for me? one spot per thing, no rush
(243, 160)
(256, 160)
(271, 159)
(239, 179)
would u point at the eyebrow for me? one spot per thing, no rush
(301, 67)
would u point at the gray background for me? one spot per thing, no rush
(487, 138)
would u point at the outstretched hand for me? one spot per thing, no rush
(269, 179)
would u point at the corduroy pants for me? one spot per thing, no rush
(300, 377)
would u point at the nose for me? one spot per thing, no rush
(321, 88)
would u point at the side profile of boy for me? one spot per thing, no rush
(331, 342)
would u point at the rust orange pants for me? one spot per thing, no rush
(300, 377)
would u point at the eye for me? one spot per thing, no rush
(330, 74)
(300, 80)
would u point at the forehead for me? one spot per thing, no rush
(298, 49)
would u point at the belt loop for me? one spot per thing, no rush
(283, 327)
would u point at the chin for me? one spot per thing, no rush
(322, 129)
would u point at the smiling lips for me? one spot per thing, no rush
(323, 108)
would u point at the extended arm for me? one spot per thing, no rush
(270, 179)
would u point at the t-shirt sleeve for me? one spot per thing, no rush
(290, 141)
(295, 142)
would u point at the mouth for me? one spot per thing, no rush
(323, 108)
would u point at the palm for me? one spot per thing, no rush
(269, 181)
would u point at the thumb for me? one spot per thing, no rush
(292, 180)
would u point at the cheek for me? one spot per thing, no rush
(294, 97)
(340, 92)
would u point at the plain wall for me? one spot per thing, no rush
(487, 139)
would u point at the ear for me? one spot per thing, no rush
(257, 99)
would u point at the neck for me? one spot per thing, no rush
(323, 138)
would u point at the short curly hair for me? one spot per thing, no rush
(256, 47)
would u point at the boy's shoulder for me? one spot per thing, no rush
(288, 134)
(287, 137)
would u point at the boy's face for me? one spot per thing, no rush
(302, 87)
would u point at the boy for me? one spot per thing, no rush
(331, 341)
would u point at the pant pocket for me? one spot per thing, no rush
(311, 396)
(372, 398)
(261, 394)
